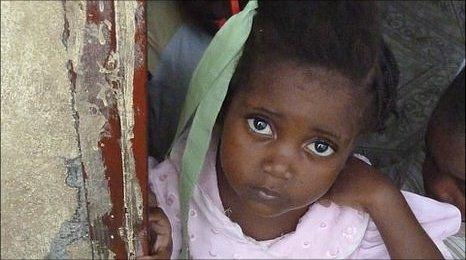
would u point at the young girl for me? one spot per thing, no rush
(279, 179)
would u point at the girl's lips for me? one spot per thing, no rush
(264, 194)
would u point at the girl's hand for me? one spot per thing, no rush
(359, 186)
(157, 241)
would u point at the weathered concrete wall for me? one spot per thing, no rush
(70, 178)
(43, 207)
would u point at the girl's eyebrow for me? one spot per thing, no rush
(268, 111)
(328, 133)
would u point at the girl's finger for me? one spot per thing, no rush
(159, 222)
(146, 257)
(143, 239)
(154, 257)
(156, 214)
(152, 200)
(161, 231)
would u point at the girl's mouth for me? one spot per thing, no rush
(264, 194)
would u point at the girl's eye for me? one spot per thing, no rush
(259, 126)
(320, 148)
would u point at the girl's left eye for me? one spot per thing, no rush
(320, 148)
(260, 126)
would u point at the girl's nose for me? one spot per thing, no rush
(279, 159)
(278, 168)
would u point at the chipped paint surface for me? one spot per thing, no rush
(125, 12)
(38, 133)
(67, 105)
(91, 95)
(92, 110)
(95, 96)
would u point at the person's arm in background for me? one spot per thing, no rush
(363, 187)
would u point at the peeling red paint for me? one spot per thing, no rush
(139, 142)
(110, 142)
(102, 77)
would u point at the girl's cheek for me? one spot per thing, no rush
(235, 160)
(320, 180)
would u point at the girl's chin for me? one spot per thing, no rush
(264, 210)
(268, 211)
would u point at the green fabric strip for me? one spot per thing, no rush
(226, 44)
(204, 99)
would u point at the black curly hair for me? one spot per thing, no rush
(385, 87)
(339, 35)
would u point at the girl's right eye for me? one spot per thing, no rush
(320, 148)
(260, 126)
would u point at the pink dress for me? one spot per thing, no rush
(323, 232)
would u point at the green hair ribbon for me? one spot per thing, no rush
(204, 99)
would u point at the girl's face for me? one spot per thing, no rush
(286, 136)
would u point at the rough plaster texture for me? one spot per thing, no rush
(58, 83)
(60, 78)
(38, 132)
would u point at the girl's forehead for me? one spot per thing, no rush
(297, 76)
(286, 80)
